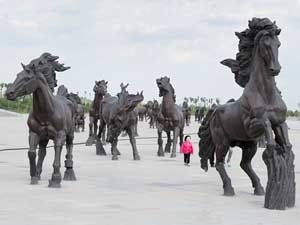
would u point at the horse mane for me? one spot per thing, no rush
(241, 66)
(47, 64)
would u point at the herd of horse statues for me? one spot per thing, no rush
(259, 112)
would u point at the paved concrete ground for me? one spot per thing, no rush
(152, 191)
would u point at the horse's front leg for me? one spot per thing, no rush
(99, 146)
(279, 159)
(114, 149)
(169, 142)
(175, 139)
(160, 151)
(33, 142)
(69, 173)
(131, 134)
(56, 175)
(41, 156)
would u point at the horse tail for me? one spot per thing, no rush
(206, 144)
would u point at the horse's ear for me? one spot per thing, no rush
(168, 79)
(33, 68)
(278, 31)
(106, 82)
(23, 66)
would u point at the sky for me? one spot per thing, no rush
(137, 41)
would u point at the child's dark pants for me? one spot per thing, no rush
(187, 158)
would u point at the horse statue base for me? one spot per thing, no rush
(280, 190)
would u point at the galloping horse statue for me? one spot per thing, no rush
(118, 114)
(52, 117)
(260, 110)
(100, 90)
(170, 118)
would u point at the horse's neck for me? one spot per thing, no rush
(97, 99)
(263, 82)
(168, 104)
(43, 100)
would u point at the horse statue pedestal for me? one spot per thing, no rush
(281, 186)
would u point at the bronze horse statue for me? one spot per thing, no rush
(52, 117)
(100, 90)
(170, 117)
(79, 112)
(260, 110)
(119, 115)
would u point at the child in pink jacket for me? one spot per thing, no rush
(187, 149)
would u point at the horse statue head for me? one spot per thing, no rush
(45, 66)
(165, 87)
(100, 87)
(259, 43)
(25, 83)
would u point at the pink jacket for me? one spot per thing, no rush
(186, 148)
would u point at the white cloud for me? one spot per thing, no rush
(136, 41)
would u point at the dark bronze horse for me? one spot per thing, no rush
(260, 110)
(100, 90)
(187, 113)
(79, 115)
(170, 118)
(52, 117)
(118, 114)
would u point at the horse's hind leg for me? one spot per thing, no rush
(69, 173)
(41, 156)
(221, 152)
(33, 142)
(249, 151)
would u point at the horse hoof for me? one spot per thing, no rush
(114, 157)
(259, 191)
(69, 175)
(173, 155)
(160, 154)
(54, 184)
(137, 157)
(34, 180)
(100, 151)
(118, 153)
(229, 192)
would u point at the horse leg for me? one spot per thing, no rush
(91, 138)
(169, 142)
(175, 139)
(41, 156)
(33, 142)
(181, 137)
(221, 152)
(103, 135)
(281, 186)
(56, 175)
(248, 153)
(131, 135)
(99, 147)
(160, 151)
(114, 149)
(69, 173)
(95, 129)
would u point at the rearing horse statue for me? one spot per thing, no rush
(52, 117)
(170, 117)
(259, 110)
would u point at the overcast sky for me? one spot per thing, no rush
(139, 41)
